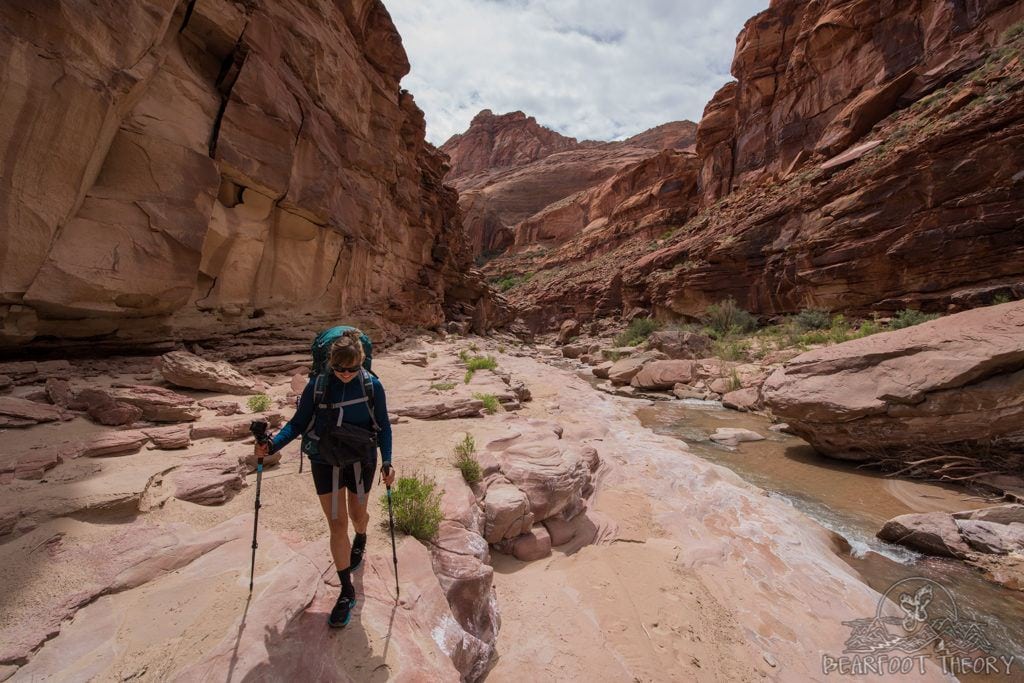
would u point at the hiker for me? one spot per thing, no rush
(351, 418)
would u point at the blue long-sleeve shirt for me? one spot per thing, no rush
(357, 414)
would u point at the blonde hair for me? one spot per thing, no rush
(347, 350)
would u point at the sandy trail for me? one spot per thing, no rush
(704, 577)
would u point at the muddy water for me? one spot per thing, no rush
(854, 503)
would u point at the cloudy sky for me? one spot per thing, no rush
(597, 69)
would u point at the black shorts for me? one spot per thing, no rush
(323, 477)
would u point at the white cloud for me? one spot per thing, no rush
(597, 69)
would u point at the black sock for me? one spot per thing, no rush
(360, 540)
(347, 589)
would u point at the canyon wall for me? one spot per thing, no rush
(179, 168)
(866, 159)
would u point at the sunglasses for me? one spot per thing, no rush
(345, 370)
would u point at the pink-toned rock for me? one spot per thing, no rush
(992, 538)
(679, 345)
(104, 409)
(232, 429)
(533, 545)
(446, 409)
(188, 370)
(601, 371)
(732, 436)
(19, 412)
(31, 464)
(221, 407)
(663, 374)
(506, 512)
(955, 380)
(158, 404)
(5, 382)
(209, 478)
(746, 400)
(998, 514)
(114, 443)
(61, 394)
(568, 330)
(931, 533)
(560, 530)
(169, 438)
(623, 371)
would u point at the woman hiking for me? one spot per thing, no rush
(349, 422)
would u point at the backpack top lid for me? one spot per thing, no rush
(321, 349)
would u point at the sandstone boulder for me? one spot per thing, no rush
(745, 400)
(103, 408)
(31, 464)
(623, 371)
(506, 512)
(158, 404)
(992, 538)
(568, 330)
(955, 380)
(999, 514)
(533, 545)
(601, 371)
(233, 428)
(663, 374)
(447, 409)
(679, 345)
(169, 438)
(19, 412)
(210, 478)
(184, 369)
(732, 436)
(931, 533)
(221, 407)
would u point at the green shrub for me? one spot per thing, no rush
(443, 386)
(258, 403)
(479, 363)
(734, 381)
(637, 332)
(491, 404)
(811, 319)
(465, 461)
(730, 349)
(726, 318)
(1001, 299)
(908, 317)
(473, 347)
(867, 329)
(416, 504)
(464, 355)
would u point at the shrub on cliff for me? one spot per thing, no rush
(725, 318)
(465, 460)
(812, 319)
(637, 332)
(416, 504)
(908, 317)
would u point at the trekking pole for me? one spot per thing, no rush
(391, 524)
(259, 430)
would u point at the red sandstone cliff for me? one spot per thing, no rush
(867, 158)
(174, 166)
(511, 173)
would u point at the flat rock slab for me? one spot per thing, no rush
(443, 410)
(209, 478)
(732, 436)
(159, 404)
(188, 370)
(232, 429)
(931, 533)
(20, 412)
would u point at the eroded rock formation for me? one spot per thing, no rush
(516, 179)
(865, 159)
(185, 166)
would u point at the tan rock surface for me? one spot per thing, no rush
(184, 369)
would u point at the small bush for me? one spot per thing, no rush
(258, 403)
(501, 348)
(465, 461)
(416, 504)
(908, 317)
(867, 329)
(726, 318)
(464, 355)
(1001, 299)
(637, 332)
(734, 381)
(473, 347)
(479, 363)
(491, 404)
(730, 349)
(811, 319)
(443, 386)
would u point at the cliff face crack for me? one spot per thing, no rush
(188, 15)
(230, 70)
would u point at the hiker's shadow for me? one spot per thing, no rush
(307, 649)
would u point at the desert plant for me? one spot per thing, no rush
(491, 404)
(473, 347)
(726, 318)
(416, 504)
(443, 386)
(734, 381)
(479, 363)
(1001, 299)
(637, 332)
(464, 355)
(258, 403)
(909, 317)
(466, 462)
(730, 349)
(811, 319)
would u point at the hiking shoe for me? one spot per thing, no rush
(342, 612)
(358, 548)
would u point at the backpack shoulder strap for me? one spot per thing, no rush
(368, 391)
